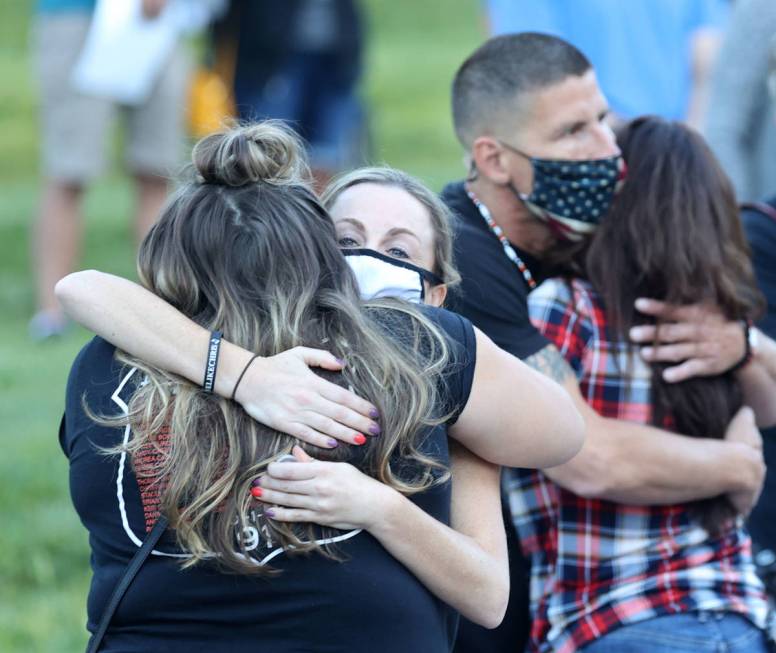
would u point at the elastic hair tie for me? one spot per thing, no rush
(242, 374)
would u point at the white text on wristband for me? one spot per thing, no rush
(212, 361)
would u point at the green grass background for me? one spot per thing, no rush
(414, 49)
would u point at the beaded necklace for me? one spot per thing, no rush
(499, 233)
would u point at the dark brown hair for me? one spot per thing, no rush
(674, 233)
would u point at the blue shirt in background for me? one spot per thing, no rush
(57, 6)
(640, 49)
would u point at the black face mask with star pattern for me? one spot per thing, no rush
(572, 196)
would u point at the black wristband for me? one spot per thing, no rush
(211, 364)
(747, 325)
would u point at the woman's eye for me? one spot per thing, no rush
(398, 252)
(347, 241)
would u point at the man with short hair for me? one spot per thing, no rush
(544, 165)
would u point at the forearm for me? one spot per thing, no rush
(118, 310)
(642, 465)
(705, 46)
(517, 416)
(467, 568)
(453, 566)
(279, 391)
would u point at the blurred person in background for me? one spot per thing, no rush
(300, 61)
(529, 113)
(740, 123)
(651, 56)
(759, 219)
(75, 134)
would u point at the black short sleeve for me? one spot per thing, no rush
(459, 374)
(93, 373)
(492, 293)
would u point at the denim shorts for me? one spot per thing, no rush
(694, 632)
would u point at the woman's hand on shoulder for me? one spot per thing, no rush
(282, 392)
(325, 493)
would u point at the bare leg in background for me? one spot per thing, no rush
(56, 246)
(151, 194)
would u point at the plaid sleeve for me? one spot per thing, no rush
(558, 311)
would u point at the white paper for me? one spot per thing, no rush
(124, 52)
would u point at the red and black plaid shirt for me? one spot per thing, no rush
(596, 565)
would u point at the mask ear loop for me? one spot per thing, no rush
(509, 147)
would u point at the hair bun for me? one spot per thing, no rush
(267, 151)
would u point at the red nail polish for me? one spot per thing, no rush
(256, 492)
(359, 439)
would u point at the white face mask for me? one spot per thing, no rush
(379, 275)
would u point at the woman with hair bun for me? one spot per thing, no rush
(393, 231)
(246, 249)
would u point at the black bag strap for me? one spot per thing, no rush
(126, 580)
(760, 207)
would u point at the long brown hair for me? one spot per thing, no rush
(674, 233)
(247, 248)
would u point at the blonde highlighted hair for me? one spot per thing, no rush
(247, 248)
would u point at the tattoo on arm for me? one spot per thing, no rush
(549, 362)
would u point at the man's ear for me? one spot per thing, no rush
(489, 157)
(501, 167)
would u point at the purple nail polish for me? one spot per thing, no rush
(374, 413)
(269, 513)
(374, 429)
(256, 482)
(332, 442)
(341, 361)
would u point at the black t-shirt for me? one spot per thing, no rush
(761, 234)
(368, 602)
(493, 293)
